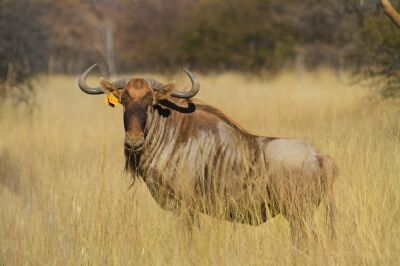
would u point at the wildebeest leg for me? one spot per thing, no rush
(189, 218)
(297, 231)
(192, 220)
(330, 209)
(302, 227)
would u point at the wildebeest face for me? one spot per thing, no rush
(137, 97)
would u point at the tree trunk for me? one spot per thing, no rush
(109, 38)
(391, 12)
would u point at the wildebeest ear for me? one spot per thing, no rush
(165, 91)
(112, 93)
(106, 86)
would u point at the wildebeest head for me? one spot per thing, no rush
(137, 96)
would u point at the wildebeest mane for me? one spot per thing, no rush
(190, 106)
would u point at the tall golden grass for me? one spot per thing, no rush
(64, 198)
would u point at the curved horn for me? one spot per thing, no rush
(193, 91)
(96, 90)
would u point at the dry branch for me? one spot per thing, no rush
(391, 12)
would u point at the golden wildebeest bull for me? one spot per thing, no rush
(191, 154)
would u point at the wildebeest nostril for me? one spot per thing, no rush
(133, 141)
(132, 138)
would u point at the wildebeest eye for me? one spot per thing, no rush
(124, 98)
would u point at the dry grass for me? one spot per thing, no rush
(65, 199)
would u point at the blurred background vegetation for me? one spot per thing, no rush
(254, 36)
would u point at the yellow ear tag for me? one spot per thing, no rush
(111, 100)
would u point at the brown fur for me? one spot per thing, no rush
(191, 154)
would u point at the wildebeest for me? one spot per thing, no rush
(193, 155)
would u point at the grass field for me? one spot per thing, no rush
(64, 198)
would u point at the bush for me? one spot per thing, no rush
(23, 46)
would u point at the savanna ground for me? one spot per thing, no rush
(65, 198)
